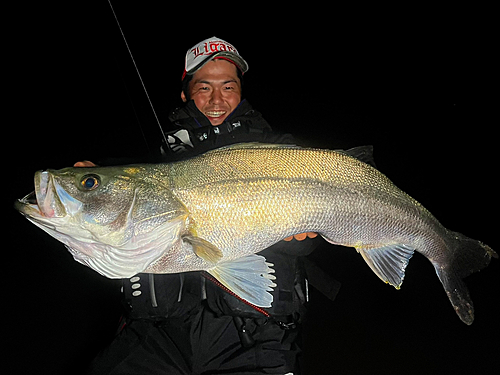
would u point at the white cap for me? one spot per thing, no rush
(209, 49)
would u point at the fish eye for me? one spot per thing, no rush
(90, 182)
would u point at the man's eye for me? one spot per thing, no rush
(204, 88)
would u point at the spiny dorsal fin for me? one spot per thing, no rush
(362, 153)
(245, 145)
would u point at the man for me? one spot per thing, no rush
(184, 323)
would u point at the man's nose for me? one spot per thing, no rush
(216, 97)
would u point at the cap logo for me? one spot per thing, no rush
(211, 47)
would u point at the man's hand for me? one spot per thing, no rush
(301, 236)
(84, 163)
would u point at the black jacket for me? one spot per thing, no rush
(197, 135)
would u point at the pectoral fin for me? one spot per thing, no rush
(250, 278)
(203, 248)
(388, 262)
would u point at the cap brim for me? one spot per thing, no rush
(234, 58)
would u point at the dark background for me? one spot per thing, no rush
(415, 83)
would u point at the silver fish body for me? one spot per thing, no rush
(214, 211)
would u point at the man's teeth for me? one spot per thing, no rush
(215, 113)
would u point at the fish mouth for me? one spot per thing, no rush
(46, 201)
(47, 196)
(28, 205)
(30, 199)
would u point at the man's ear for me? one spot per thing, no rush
(183, 97)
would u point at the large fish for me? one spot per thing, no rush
(215, 211)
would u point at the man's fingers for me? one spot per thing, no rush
(301, 236)
(85, 163)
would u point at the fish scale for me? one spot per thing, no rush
(261, 173)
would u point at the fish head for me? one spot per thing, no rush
(113, 219)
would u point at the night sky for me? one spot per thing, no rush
(416, 85)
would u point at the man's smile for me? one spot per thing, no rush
(215, 113)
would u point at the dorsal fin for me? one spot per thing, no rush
(362, 153)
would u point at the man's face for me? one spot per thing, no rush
(216, 90)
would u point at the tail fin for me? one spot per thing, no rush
(466, 256)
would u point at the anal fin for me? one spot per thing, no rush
(388, 262)
(250, 278)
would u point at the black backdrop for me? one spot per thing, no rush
(416, 84)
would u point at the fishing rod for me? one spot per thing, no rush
(140, 78)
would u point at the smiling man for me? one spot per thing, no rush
(214, 114)
(215, 87)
